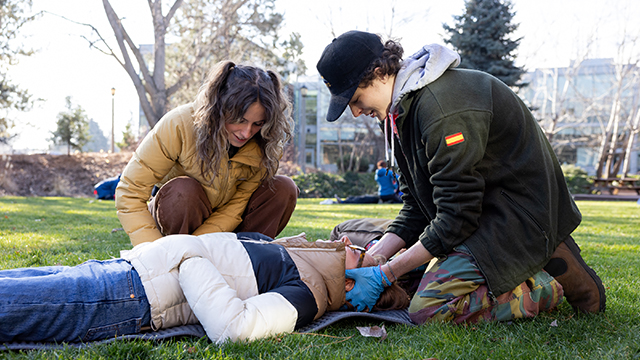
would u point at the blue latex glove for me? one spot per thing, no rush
(368, 287)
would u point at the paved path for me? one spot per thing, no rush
(606, 197)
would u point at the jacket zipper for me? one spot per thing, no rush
(537, 224)
(307, 249)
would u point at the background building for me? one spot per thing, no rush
(581, 105)
(577, 106)
(348, 144)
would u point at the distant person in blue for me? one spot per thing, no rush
(106, 189)
(387, 189)
(387, 184)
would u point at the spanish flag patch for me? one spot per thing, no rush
(454, 139)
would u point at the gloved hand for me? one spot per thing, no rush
(370, 282)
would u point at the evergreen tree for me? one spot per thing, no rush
(12, 97)
(98, 141)
(482, 37)
(129, 140)
(73, 128)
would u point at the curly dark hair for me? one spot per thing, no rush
(388, 64)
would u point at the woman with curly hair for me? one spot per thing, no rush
(210, 166)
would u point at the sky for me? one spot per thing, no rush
(553, 33)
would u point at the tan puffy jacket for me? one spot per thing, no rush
(169, 151)
(321, 265)
(210, 279)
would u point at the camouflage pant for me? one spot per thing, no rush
(455, 290)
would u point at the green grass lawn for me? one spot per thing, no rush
(68, 231)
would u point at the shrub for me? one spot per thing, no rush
(325, 185)
(358, 184)
(577, 179)
(317, 184)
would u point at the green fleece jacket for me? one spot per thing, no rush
(476, 169)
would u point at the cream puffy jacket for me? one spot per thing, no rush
(210, 279)
(169, 151)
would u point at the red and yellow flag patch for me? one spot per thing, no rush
(454, 139)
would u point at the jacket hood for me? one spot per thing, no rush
(321, 267)
(421, 69)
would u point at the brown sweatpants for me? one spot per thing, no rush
(181, 206)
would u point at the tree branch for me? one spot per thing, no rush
(116, 25)
(110, 51)
(172, 12)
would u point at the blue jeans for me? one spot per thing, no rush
(92, 301)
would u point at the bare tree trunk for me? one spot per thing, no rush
(551, 130)
(608, 137)
(556, 97)
(613, 143)
(151, 88)
(626, 75)
(617, 160)
(353, 156)
(630, 141)
(340, 159)
(556, 103)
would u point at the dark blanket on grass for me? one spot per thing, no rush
(394, 316)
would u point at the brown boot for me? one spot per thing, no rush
(582, 287)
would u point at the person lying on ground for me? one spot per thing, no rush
(238, 286)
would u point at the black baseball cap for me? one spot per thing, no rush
(343, 64)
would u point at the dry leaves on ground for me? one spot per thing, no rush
(373, 331)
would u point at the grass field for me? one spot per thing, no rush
(68, 231)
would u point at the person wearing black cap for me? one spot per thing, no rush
(482, 189)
